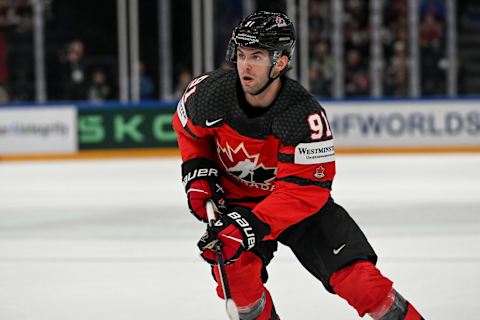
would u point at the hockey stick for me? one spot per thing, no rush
(232, 310)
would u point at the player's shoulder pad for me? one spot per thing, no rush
(207, 97)
(302, 111)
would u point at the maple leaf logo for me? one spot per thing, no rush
(244, 166)
(319, 172)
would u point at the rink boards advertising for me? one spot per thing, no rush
(109, 130)
(38, 130)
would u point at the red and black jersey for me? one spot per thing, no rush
(280, 164)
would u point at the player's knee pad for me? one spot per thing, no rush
(244, 278)
(262, 309)
(395, 307)
(362, 285)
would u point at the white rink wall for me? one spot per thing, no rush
(405, 124)
(78, 131)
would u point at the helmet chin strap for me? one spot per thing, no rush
(270, 80)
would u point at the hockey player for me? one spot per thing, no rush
(258, 145)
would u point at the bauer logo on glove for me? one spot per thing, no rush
(237, 231)
(247, 229)
(201, 182)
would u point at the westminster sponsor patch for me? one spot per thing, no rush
(315, 152)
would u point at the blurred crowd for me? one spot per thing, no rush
(78, 70)
(92, 83)
(394, 37)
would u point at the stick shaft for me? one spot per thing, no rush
(232, 309)
(218, 251)
(210, 213)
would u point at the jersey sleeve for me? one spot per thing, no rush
(306, 168)
(195, 140)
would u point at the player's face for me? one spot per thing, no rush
(253, 66)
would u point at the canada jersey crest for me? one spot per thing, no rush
(245, 167)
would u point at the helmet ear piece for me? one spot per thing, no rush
(275, 57)
(231, 55)
(283, 62)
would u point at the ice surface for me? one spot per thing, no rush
(113, 240)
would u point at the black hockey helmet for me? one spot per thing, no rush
(272, 31)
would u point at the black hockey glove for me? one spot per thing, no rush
(237, 231)
(201, 182)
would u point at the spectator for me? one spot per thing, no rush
(16, 15)
(8, 16)
(431, 32)
(432, 50)
(318, 21)
(99, 89)
(320, 59)
(356, 77)
(4, 95)
(394, 37)
(147, 88)
(24, 15)
(435, 7)
(183, 79)
(396, 80)
(356, 26)
(356, 46)
(73, 72)
(321, 70)
(16, 26)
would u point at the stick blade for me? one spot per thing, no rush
(232, 310)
